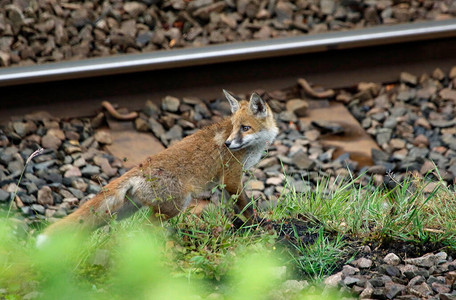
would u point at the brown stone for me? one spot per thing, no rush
(397, 143)
(438, 74)
(427, 167)
(255, 185)
(5, 59)
(45, 196)
(423, 123)
(50, 141)
(141, 125)
(297, 106)
(134, 9)
(448, 94)
(421, 141)
(72, 172)
(58, 133)
(103, 137)
(452, 72)
(105, 166)
(408, 78)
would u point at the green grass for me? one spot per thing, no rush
(193, 257)
(409, 212)
(321, 258)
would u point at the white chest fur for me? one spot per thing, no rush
(252, 157)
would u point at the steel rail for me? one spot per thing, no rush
(158, 60)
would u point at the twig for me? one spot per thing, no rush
(108, 106)
(311, 92)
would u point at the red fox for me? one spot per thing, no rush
(166, 182)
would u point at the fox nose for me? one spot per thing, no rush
(227, 143)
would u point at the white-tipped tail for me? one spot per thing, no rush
(41, 240)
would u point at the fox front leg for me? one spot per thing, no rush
(241, 200)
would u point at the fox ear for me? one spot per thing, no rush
(233, 102)
(258, 106)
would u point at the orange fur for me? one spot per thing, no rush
(167, 181)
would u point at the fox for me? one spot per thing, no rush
(167, 181)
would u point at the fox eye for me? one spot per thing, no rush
(245, 128)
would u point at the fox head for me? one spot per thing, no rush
(253, 123)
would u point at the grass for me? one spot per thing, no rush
(409, 212)
(193, 257)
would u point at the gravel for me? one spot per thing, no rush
(424, 126)
(36, 32)
(436, 280)
(424, 133)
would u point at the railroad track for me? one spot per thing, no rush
(337, 59)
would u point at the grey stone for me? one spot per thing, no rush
(77, 193)
(302, 161)
(90, 170)
(170, 104)
(406, 95)
(26, 210)
(44, 165)
(390, 270)
(93, 189)
(333, 280)
(379, 156)
(350, 281)
(327, 7)
(202, 109)
(416, 280)
(175, 133)
(38, 208)
(72, 172)
(423, 290)
(362, 263)
(20, 128)
(27, 199)
(448, 296)
(287, 116)
(4, 196)
(428, 260)
(300, 186)
(379, 293)
(376, 282)
(432, 279)
(15, 166)
(440, 288)
(80, 184)
(392, 259)
(151, 109)
(294, 285)
(31, 187)
(390, 123)
(443, 123)
(392, 290)
(348, 270)
(408, 78)
(156, 127)
(383, 136)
